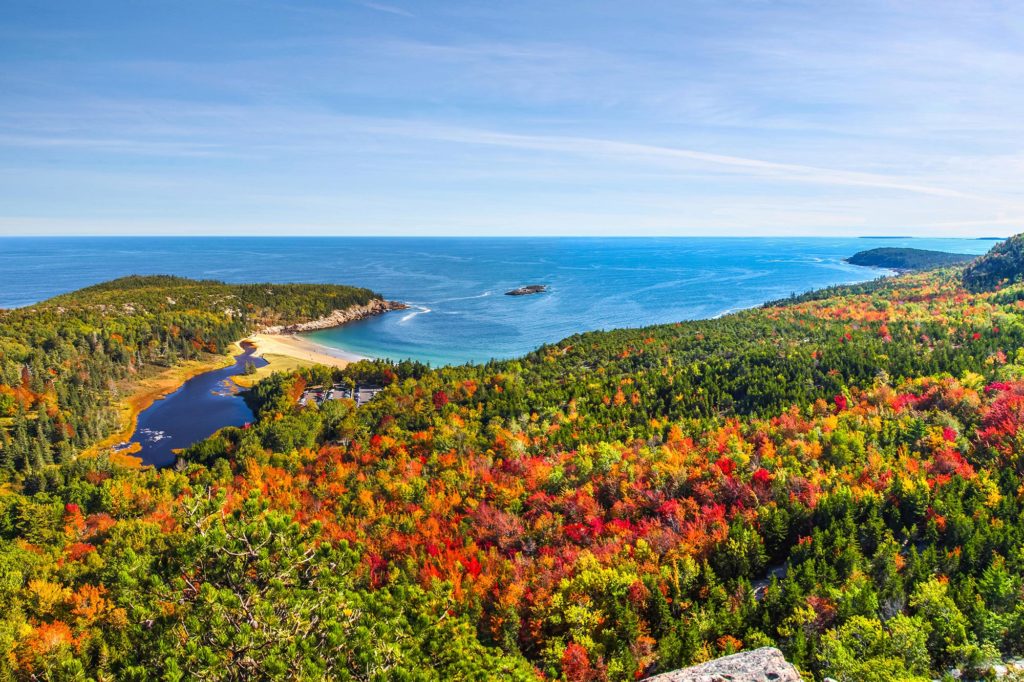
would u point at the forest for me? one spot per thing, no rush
(838, 474)
(65, 362)
(907, 259)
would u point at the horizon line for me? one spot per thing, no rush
(495, 236)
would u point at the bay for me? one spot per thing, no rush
(455, 286)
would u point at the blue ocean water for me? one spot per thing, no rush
(455, 286)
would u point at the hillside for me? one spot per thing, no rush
(65, 362)
(1004, 264)
(838, 475)
(907, 259)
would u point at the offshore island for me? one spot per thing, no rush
(528, 290)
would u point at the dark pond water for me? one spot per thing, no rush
(201, 406)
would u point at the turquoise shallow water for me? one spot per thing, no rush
(455, 286)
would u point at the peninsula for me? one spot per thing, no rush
(81, 366)
(907, 260)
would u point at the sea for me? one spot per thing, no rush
(455, 287)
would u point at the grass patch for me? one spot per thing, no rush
(153, 384)
(275, 363)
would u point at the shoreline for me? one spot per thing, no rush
(336, 318)
(295, 346)
(284, 349)
(281, 347)
(288, 352)
(147, 391)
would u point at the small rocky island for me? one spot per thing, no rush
(527, 290)
(906, 260)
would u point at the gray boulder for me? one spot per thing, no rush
(760, 665)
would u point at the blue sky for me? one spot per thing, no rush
(514, 118)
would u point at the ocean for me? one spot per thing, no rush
(455, 286)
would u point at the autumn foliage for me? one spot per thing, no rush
(838, 475)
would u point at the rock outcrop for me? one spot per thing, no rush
(760, 665)
(338, 317)
(527, 290)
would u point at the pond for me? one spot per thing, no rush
(196, 410)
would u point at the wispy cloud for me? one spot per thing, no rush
(388, 9)
(119, 146)
(328, 127)
(690, 116)
(638, 151)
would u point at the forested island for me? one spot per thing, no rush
(839, 475)
(906, 260)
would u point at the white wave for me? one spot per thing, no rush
(464, 298)
(736, 309)
(444, 256)
(420, 310)
(153, 435)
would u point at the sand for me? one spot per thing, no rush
(288, 352)
(283, 352)
(298, 348)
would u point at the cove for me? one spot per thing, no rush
(198, 408)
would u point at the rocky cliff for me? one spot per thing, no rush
(760, 665)
(338, 317)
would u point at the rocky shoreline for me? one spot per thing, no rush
(337, 318)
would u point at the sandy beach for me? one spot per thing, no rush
(288, 352)
(294, 346)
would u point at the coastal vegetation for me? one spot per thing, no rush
(275, 363)
(1001, 265)
(67, 363)
(839, 474)
(907, 259)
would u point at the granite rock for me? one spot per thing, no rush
(760, 665)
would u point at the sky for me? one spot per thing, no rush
(450, 117)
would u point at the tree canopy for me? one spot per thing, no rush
(838, 474)
(65, 362)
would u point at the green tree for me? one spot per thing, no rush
(865, 650)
